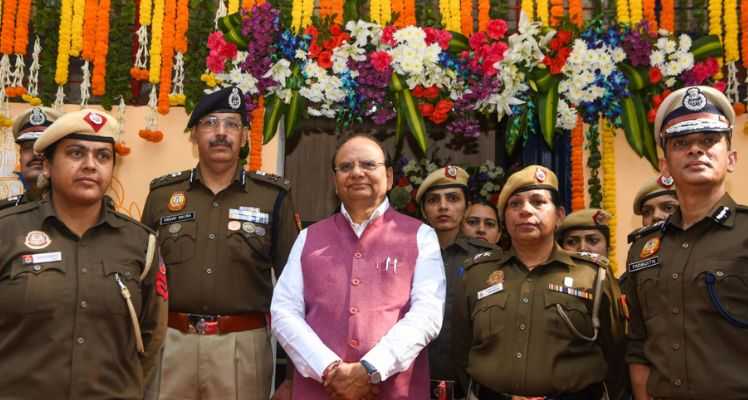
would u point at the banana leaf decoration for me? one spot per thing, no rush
(546, 86)
(407, 106)
(275, 108)
(231, 26)
(706, 46)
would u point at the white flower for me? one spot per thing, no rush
(279, 71)
(685, 43)
(656, 57)
(300, 54)
(566, 117)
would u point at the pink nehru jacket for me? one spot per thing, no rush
(354, 295)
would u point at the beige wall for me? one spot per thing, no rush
(176, 153)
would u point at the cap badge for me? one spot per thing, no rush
(37, 240)
(235, 99)
(95, 120)
(540, 175)
(694, 100)
(37, 117)
(177, 201)
(651, 247)
(665, 181)
(451, 171)
(600, 218)
(495, 277)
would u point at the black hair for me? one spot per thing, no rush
(484, 202)
(346, 139)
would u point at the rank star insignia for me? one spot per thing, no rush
(177, 201)
(495, 277)
(540, 175)
(451, 171)
(651, 247)
(37, 240)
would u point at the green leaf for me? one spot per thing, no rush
(458, 43)
(295, 107)
(649, 143)
(230, 25)
(706, 46)
(541, 79)
(396, 85)
(350, 11)
(547, 107)
(274, 110)
(400, 121)
(412, 115)
(638, 79)
(631, 123)
(517, 125)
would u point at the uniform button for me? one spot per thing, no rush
(215, 204)
(676, 346)
(676, 310)
(522, 327)
(525, 300)
(357, 255)
(677, 382)
(80, 340)
(354, 310)
(685, 245)
(353, 343)
(209, 271)
(84, 304)
(675, 275)
(720, 273)
(84, 270)
(355, 282)
(212, 236)
(518, 355)
(37, 268)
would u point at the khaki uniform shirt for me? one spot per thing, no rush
(13, 201)
(694, 351)
(219, 249)
(66, 329)
(511, 334)
(441, 363)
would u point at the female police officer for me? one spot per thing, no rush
(82, 293)
(536, 320)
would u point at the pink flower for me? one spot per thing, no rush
(220, 51)
(215, 63)
(477, 40)
(380, 60)
(388, 35)
(720, 85)
(496, 29)
(496, 51)
(215, 39)
(441, 37)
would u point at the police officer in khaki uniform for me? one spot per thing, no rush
(536, 320)
(585, 230)
(688, 291)
(27, 127)
(83, 295)
(443, 200)
(222, 231)
(656, 200)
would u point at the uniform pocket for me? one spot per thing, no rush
(490, 316)
(245, 247)
(730, 289)
(110, 289)
(177, 242)
(580, 316)
(650, 295)
(38, 286)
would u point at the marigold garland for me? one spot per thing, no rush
(89, 30)
(98, 78)
(650, 15)
(7, 32)
(157, 26)
(76, 38)
(22, 27)
(732, 52)
(375, 11)
(255, 136)
(247, 4)
(609, 186)
(622, 11)
(63, 47)
(167, 49)
(233, 6)
(409, 12)
(301, 14)
(667, 15)
(484, 14)
(466, 17)
(744, 33)
(543, 15)
(398, 7)
(557, 11)
(635, 10)
(528, 7)
(182, 24)
(455, 16)
(577, 166)
(715, 18)
(145, 12)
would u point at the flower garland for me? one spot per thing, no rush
(167, 51)
(120, 147)
(255, 136)
(409, 12)
(466, 17)
(177, 96)
(157, 26)
(7, 32)
(233, 6)
(139, 71)
(76, 38)
(622, 11)
(744, 33)
(484, 14)
(730, 41)
(88, 36)
(98, 79)
(557, 11)
(22, 27)
(715, 26)
(635, 7)
(576, 13)
(301, 13)
(609, 186)
(577, 166)
(528, 7)
(650, 15)
(335, 7)
(63, 48)
(32, 97)
(398, 7)
(667, 15)
(151, 132)
(450, 13)
(593, 165)
(543, 15)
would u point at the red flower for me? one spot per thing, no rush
(651, 115)
(426, 109)
(335, 30)
(564, 37)
(380, 60)
(444, 106)
(325, 59)
(477, 40)
(657, 100)
(311, 31)
(329, 44)
(720, 85)
(438, 36)
(438, 118)
(314, 50)
(431, 92)
(655, 76)
(497, 51)
(403, 181)
(417, 91)
(496, 29)
(387, 35)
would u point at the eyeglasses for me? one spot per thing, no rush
(366, 165)
(212, 123)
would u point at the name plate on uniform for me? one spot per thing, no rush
(644, 264)
(493, 289)
(41, 258)
(170, 219)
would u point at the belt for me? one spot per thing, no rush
(216, 324)
(592, 392)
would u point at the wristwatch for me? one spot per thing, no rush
(374, 376)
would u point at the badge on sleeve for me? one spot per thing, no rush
(37, 240)
(495, 277)
(177, 201)
(651, 247)
(161, 287)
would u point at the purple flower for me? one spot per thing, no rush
(465, 126)
(637, 48)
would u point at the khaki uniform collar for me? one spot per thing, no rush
(723, 213)
(47, 210)
(557, 255)
(240, 175)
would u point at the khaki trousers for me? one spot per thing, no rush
(234, 366)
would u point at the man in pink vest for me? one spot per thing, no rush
(362, 293)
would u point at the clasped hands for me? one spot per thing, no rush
(349, 381)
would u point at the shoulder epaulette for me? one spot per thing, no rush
(593, 258)
(741, 208)
(11, 201)
(481, 243)
(21, 208)
(272, 179)
(171, 178)
(486, 256)
(133, 221)
(645, 230)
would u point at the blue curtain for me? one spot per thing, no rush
(536, 151)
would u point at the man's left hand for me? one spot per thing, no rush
(349, 381)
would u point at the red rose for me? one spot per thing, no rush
(325, 59)
(314, 50)
(438, 118)
(564, 37)
(417, 91)
(380, 60)
(311, 31)
(426, 109)
(657, 99)
(496, 29)
(477, 40)
(655, 76)
(444, 106)
(431, 92)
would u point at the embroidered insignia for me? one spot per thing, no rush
(234, 226)
(37, 240)
(665, 181)
(540, 175)
(177, 201)
(450, 171)
(495, 277)
(576, 292)
(722, 214)
(652, 246)
(694, 100)
(37, 117)
(644, 264)
(479, 255)
(568, 281)
(235, 99)
(161, 286)
(95, 120)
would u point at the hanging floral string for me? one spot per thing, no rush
(484, 14)
(744, 33)
(21, 42)
(543, 12)
(139, 71)
(715, 27)
(157, 26)
(732, 51)
(635, 10)
(255, 136)
(622, 11)
(593, 164)
(98, 79)
(557, 12)
(609, 186)
(177, 96)
(667, 15)
(63, 48)
(167, 51)
(375, 11)
(450, 13)
(409, 12)
(151, 132)
(233, 6)
(120, 146)
(528, 7)
(577, 166)
(650, 15)
(467, 17)
(76, 35)
(32, 97)
(301, 13)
